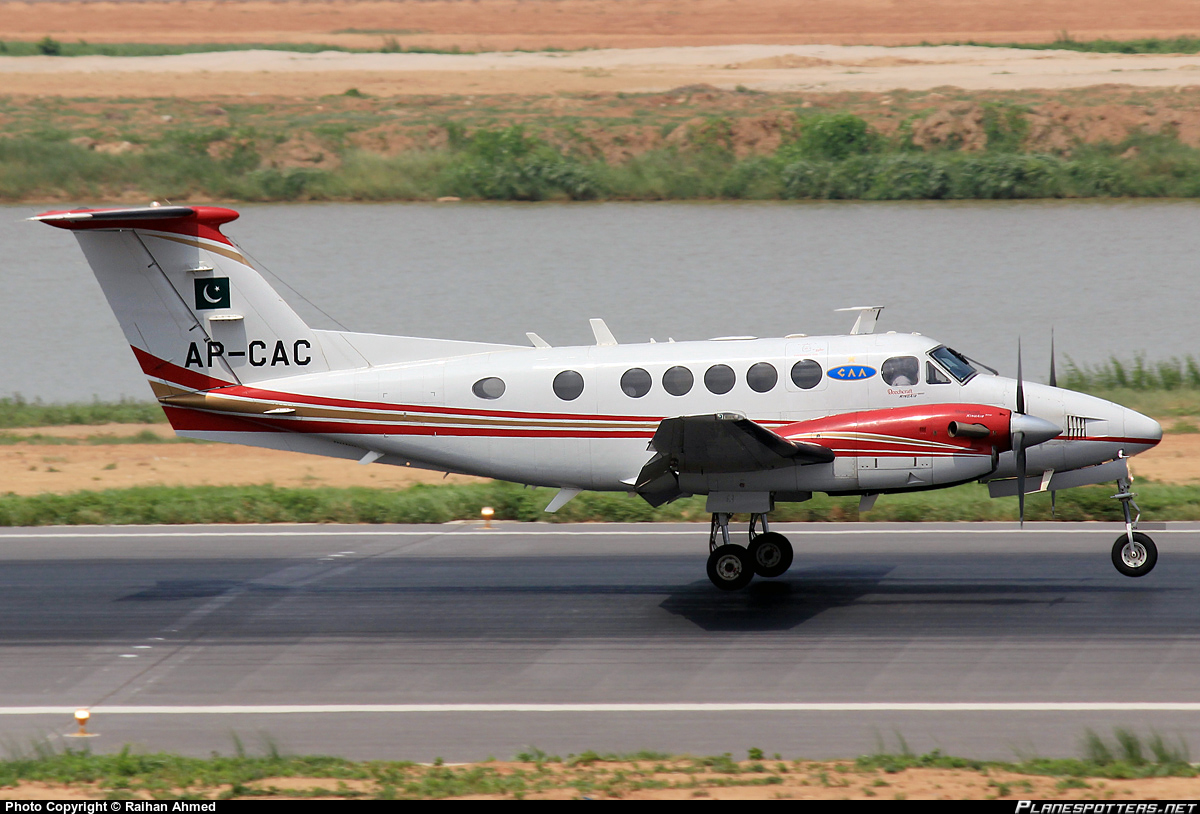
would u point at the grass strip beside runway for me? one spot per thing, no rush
(533, 773)
(424, 503)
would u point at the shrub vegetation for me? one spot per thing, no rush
(827, 156)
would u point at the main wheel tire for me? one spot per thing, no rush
(1135, 559)
(730, 568)
(771, 554)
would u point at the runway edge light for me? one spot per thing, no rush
(82, 716)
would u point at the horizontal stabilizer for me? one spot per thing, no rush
(131, 213)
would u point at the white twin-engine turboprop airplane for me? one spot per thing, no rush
(747, 422)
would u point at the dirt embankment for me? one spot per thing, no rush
(314, 133)
(678, 779)
(537, 24)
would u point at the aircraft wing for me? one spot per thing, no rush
(729, 442)
(719, 442)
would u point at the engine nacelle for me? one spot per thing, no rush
(901, 448)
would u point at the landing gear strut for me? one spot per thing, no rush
(731, 567)
(1134, 554)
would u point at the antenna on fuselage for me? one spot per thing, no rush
(867, 317)
(600, 330)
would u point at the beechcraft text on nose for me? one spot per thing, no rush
(259, 353)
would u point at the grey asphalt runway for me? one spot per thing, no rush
(418, 642)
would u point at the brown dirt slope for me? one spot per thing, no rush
(536, 24)
(679, 779)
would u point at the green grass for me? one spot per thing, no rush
(1145, 45)
(106, 439)
(17, 412)
(48, 46)
(443, 503)
(834, 156)
(131, 774)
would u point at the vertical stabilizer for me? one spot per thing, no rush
(195, 312)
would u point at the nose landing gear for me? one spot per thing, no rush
(731, 567)
(1134, 554)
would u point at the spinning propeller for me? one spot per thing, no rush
(1028, 431)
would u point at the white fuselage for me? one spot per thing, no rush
(428, 414)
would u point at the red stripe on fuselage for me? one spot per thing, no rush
(174, 374)
(182, 418)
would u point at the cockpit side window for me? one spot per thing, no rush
(954, 362)
(901, 371)
(934, 374)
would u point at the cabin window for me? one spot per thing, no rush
(935, 376)
(806, 374)
(901, 371)
(678, 381)
(762, 377)
(489, 388)
(636, 382)
(568, 385)
(719, 379)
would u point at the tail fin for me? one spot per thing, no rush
(197, 315)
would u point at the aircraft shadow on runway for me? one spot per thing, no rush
(570, 598)
(786, 603)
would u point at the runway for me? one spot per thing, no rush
(416, 642)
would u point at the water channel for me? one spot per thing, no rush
(1110, 277)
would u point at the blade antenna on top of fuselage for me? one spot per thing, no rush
(1053, 375)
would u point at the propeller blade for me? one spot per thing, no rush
(1020, 381)
(1019, 448)
(1053, 377)
(1053, 513)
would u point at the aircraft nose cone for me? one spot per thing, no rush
(1036, 430)
(1142, 430)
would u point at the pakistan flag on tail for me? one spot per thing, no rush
(212, 293)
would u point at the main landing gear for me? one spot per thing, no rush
(731, 567)
(1134, 553)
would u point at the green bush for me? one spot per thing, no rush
(507, 164)
(833, 136)
(47, 46)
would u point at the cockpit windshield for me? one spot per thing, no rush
(955, 363)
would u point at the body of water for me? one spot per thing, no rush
(1111, 277)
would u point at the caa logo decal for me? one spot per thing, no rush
(850, 373)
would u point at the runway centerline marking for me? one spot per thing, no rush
(309, 709)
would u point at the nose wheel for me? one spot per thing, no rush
(1134, 554)
(731, 567)
(1135, 557)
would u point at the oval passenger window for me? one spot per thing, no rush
(635, 383)
(719, 379)
(806, 374)
(678, 380)
(489, 388)
(762, 377)
(568, 385)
